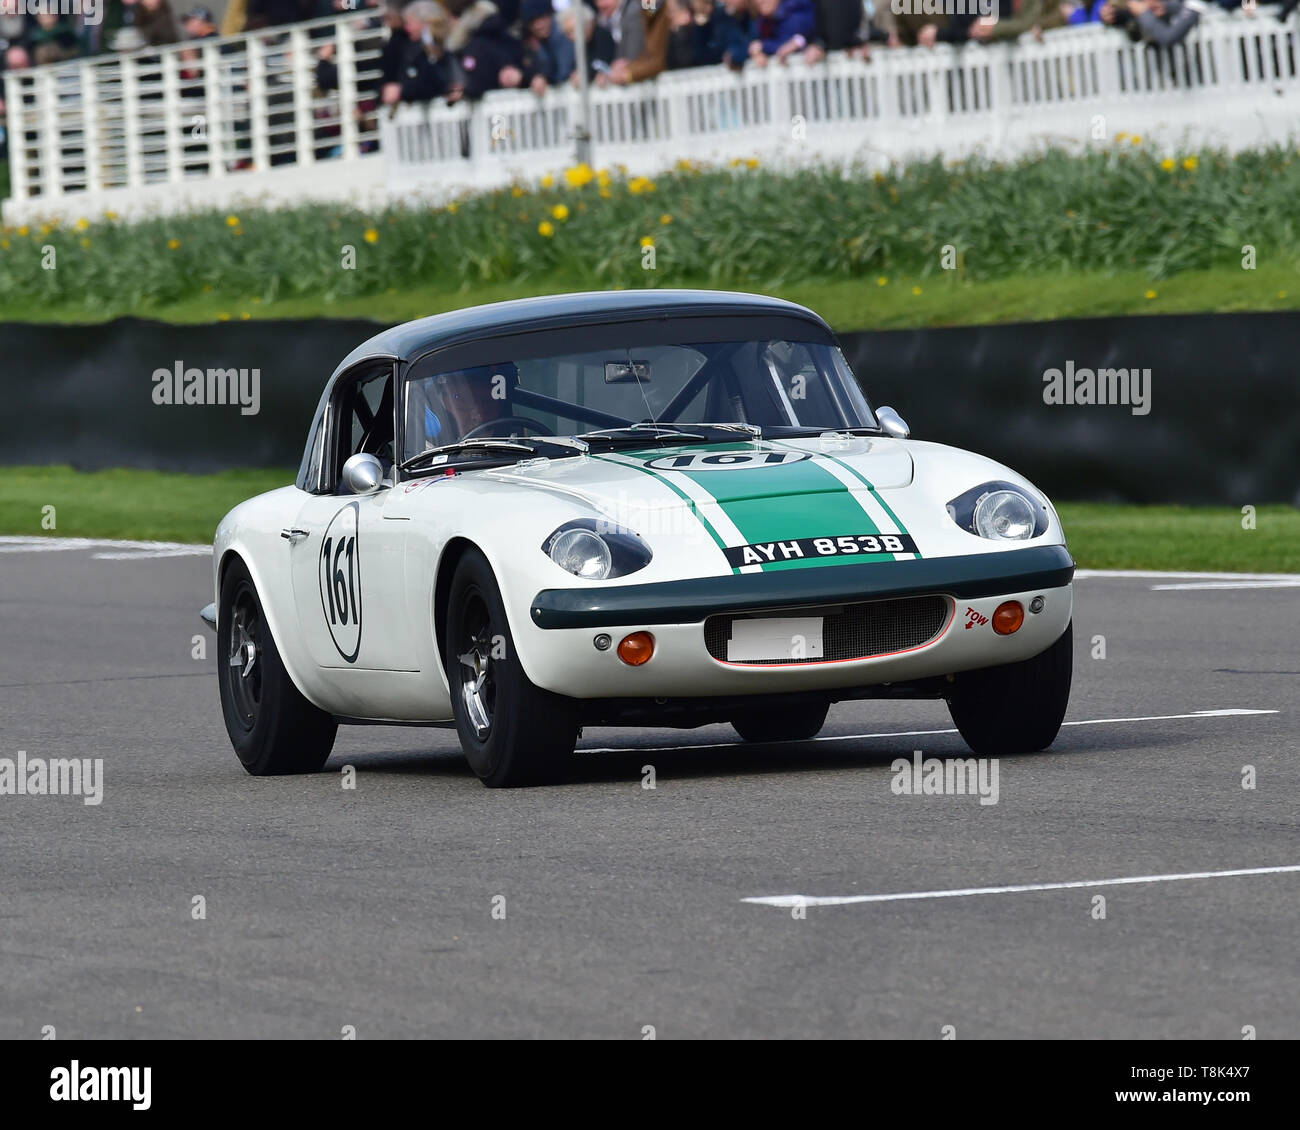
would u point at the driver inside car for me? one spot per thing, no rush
(449, 406)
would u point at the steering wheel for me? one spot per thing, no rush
(492, 427)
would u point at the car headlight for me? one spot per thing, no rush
(1004, 514)
(999, 511)
(597, 550)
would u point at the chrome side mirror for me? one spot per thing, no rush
(363, 473)
(892, 423)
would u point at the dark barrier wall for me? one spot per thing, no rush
(1223, 425)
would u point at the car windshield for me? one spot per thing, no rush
(633, 394)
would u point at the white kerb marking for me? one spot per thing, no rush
(1230, 712)
(1016, 889)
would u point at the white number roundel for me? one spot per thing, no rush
(339, 567)
(727, 460)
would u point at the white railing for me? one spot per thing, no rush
(208, 124)
(197, 123)
(1229, 85)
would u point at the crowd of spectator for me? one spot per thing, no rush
(456, 49)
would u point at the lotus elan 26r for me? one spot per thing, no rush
(649, 508)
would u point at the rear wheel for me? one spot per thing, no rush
(783, 724)
(1016, 708)
(513, 732)
(273, 728)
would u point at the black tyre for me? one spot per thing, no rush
(781, 724)
(1017, 708)
(513, 733)
(273, 728)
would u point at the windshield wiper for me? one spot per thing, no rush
(435, 456)
(653, 433)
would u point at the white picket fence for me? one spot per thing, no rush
(229, 120)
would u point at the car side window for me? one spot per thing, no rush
(364, 411)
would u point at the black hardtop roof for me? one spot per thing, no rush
(412, 339)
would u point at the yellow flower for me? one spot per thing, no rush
(4, 245)
(83, 224)
(453, 207)
(736, 162)
(647, 241)
(685, 165)
(752, 163)
(546, 228)
(238, 231)
(85, 243)
(1190, 162)
(882, 281)
(1280, 293)
(638, 185)
(1122, 135)
(1151, 293)
(23, 230)
(244, 316)
(1071, 213)
(256, 299)
(223, 317)
(560, 212)
(232, 221)
(579, 176)
(1137, 139)
(604, 192)
(548, 181)
(665, 219)
(603, 178)
(173, 244)
(111, 216)
(516, 191)
(46, 229)
(371, 236)
(916, 290)
(1168, 164)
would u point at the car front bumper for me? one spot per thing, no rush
(560, 655)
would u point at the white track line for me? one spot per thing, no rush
(1143, 574)
(1228, 713)
(1187, 586)
(110, 549)
(967, 892)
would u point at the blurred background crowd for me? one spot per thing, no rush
(456, 49)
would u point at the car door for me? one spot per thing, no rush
(347, 556)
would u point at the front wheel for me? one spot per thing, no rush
(513, 732)
(782, 724)
(1016, 708)
(273, 728)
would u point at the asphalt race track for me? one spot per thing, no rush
(624, 906)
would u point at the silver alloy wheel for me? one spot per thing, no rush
(476, 687)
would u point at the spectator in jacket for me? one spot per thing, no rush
(53, 39)
(628, 28)
(155, 22)
(423, 72)
(653, 59)
(781, 28)
(600, 41)
(1162, 22)
(688, 37)
(548, 55)
(731, 33)
(489, 56)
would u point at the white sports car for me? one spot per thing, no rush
(664, 508)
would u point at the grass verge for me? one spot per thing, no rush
(152, 505)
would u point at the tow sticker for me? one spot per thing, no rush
(340, 582)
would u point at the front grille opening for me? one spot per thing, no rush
(849, 631)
